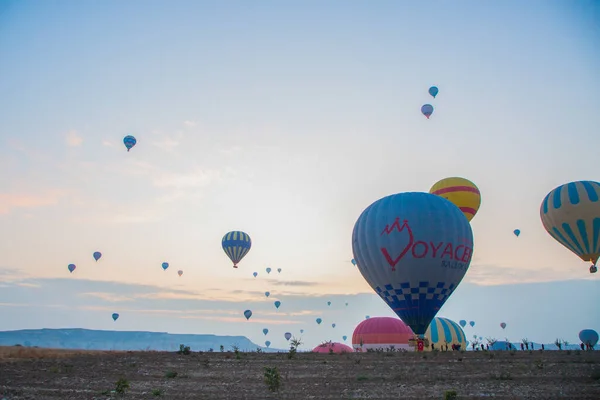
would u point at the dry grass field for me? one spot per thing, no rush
(29, 373)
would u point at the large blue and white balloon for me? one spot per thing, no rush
(236, 245)
(413, 249)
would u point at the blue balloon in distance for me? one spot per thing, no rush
(267, 294)
(462, 323)
(413, 249)
(517, 232)
(344, 337)
(268, 343)
(472, 323)
(255, 274)
(115, 316)
(277, 304)
(247, 314)
(97, 255)
(319, 320)
(165, 265)
(265, 331)
(433, 91)
(353, 261)
(129, 141)
(427, 110)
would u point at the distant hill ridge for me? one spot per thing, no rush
(88, 339)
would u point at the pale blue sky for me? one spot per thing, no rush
(285, 120)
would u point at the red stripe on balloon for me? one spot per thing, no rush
(468, 210)
(452, 189)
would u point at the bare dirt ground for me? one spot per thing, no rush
(29, 373)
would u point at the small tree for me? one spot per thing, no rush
(558, 343)
(566, 343)
(491, 341)
(294, 344)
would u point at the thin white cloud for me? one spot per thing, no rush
(168, 143)
(189, 124)
(72, 139)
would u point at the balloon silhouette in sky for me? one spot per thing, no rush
(129, 141)
(433, 91)
(71, 268)
(236, 245)
(427, 110)
(247, 314)
(165, 265)
(97, 255)
(115, 316)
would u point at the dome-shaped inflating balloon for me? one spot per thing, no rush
(332, 347)
(588, 337)
(461, 192)
(413, 249)
(444, 330)
(236, 245)
(571, 215)
(382, 333)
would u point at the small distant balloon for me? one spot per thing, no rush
(279, 270)
(301, 330)
(165, 265)
(268, 343)
(277, 304)
(433, 91)
(180, 272)
(129, 141)
(267, 294)
(265, 331)
(353, 261)
(247, 314)
(427, 110)
(287, 336)
(333, 325)
(462, 323)
(517, 232)
(367, 316)
(255, 274)
(115, 316)
(319, 320)
(71, 268)
(346, 304)
(480, 338)
(328, 303)
(344, 337)
(268, 270)
(97, 255)
(503, 325)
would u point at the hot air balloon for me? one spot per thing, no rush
(129, 141)
(268, 270)
(265, 331)
(433, 91)
(463, 193)
(589, 337)
(301, 330)
(413, 249)
(247, 314)
(346, 304)
(382, 332)
(517, 232)
(71, 267)
(571, 215)
(427, 110)
(503, 325)
(367, 316)
(255, 274)
(97, 255)
(165, 265)
(277, 304)
(115, 316)
(462, 323)
(180, 272)
(268, 343)
(472, 323)
(445, 331)
(344, 337)
(279, 270)
(287, 336)
(319, 320)
(333, 325)
(329, 347)
(267, 294)
(353, 261)
(236, 245)
(328, 303)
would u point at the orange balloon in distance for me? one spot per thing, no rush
(463, 193)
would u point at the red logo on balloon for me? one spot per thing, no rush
(420, 249)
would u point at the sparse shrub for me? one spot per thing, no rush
(294, 344)
(121, 386)
(157, 392)
(222, 348)
(258, 350)
(183, 349)
(170, 374)
(272, 379)
(450, 395)
(236, 350)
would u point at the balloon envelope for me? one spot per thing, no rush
(503, 325)
(265, 331)
(115, 316)
(255, 274)
(588, 337)
(279, 270)
(180, 272)
(332, 348)
(277, 304)
(319, 320)
(165, 265)
(268, 270)
(571, 215)
(517, 232)
(444, 330)
(328, 303)
(287, 336)
(236, 245)
(71, 267)
(462, 323)
(267, 294)
(382, 332)
(461, 192)
(333, 325)
(472, 323)
(413, 249)
(344, 337)
(427, 110)
(97, 255)
(247, 314)
(268, 343)
(353, 261)
(433, 91)
(129, 141)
